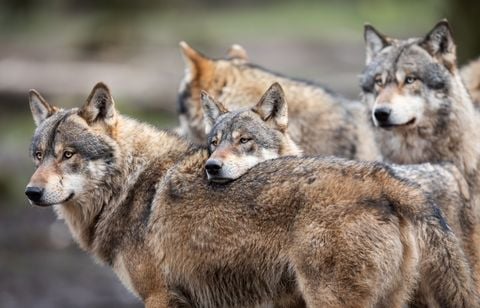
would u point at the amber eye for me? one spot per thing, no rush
(38, 155)
(410, 79)
(67, 154)
(244, 140)
(214, 142)
(378, 81)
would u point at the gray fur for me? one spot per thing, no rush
(240, 139)
(99, 105)
(58, 129)
(439, 40)
(272, 107)
(245, 121)
(40, 109)
(375, 42)
(211, 110)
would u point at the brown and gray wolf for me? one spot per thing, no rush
(423, 112)
(471, 77)
(240, 139)
(230, 158)
(321, 122)
(339, 233)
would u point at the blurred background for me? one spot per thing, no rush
(62, 48)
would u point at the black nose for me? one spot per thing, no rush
(382, 114)
(34, 193)
(213, 166)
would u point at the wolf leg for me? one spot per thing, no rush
(360, 263)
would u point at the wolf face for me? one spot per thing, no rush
(239, 140)
(406, 81)
(72, 149)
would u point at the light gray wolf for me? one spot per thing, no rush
(321, 122)
(339, 233)
(471, 76)
(423, 112)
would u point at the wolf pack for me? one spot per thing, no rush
(276, 192)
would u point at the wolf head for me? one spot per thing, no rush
(239, 140)
(219, 77)
(72, 149)
(405, 81)
(418, 100)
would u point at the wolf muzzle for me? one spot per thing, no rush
(34, 194)
(213, 167)
(382, 115)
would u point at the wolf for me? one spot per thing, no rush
(341, 233)
(322, 122)
(423, 113)
(471, 76)
(249, 135)
(230, 159)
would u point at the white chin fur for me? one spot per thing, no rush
(404, 109)
(235, 168)
(71, 185)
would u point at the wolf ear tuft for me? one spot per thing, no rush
(99, 105)
(272, 107)
(237, 52)
(195, 62)
(41, 110)
(212, 109)
(374, 42)
(439, 43)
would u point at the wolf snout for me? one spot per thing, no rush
(34, 193)
(382, 114)
(213, 166)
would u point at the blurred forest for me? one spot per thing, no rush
(63, 47)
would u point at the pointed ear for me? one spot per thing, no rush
(374, 42)
(212, 109)
(237, 52)
(439, 43)
(273, 108)
(99, 106)
(41, 110)
(195, 62)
